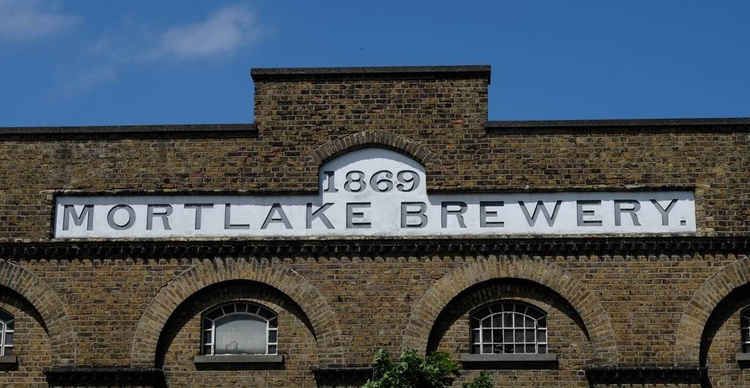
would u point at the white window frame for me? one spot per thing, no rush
(501, 317)
(6, 319)
(243, 308)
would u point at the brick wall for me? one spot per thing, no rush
(612, 306)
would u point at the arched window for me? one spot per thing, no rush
(508, 327)
(745, 329)
(6, 333)
(240, 328)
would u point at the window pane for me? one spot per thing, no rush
(541, 335)
(529, 335)
(475, 349)
(9, 325)
(272, 349)
(486, 335)
(518, 328)
(228, 309)
(206, 337)
(240, 334)
(272, 336)
(265, 313)
(9, 338)
(497, 335)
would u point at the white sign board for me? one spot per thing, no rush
(373, 192)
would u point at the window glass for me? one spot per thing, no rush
(6, 333)
(239, 328)
(508, 327)
(240, 333)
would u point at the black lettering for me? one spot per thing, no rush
(69, 212)
(198, 212)
(406, 213)
(228, 219)
(280, 217)
(582, 213)
(319, 213)
(634, 207)
(444, 212)
(352, 215)
(164, 215)
(484, 213)
(540, 208)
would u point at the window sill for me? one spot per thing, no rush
(237, 361)
(9, 362)
(509, 361)
(743, 359)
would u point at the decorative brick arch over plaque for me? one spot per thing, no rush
(211, 272)
(698, 310)
(52, 309)
(374, 138)
(596, 319)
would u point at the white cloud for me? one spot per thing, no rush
(24, 20)
(102, 58)
(222, 33)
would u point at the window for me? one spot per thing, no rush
(508, 327)
(240, 328)
(745, 329)
(6, 333)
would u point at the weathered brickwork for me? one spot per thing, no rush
(124, 309)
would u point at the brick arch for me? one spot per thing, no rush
(377, 138)
(586, 303)
(698, 311)
(50, 306)
(211, 272)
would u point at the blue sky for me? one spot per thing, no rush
(153, 62)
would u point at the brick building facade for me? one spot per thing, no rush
(616, 308)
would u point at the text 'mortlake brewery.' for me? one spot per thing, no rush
(374, 192)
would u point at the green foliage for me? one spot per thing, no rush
(483, 381)
(411, 371)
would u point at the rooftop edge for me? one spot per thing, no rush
(392, 71)
(615, 123)
(129, 129)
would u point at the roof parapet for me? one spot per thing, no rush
(387, 72)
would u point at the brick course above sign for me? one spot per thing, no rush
(374, 192)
